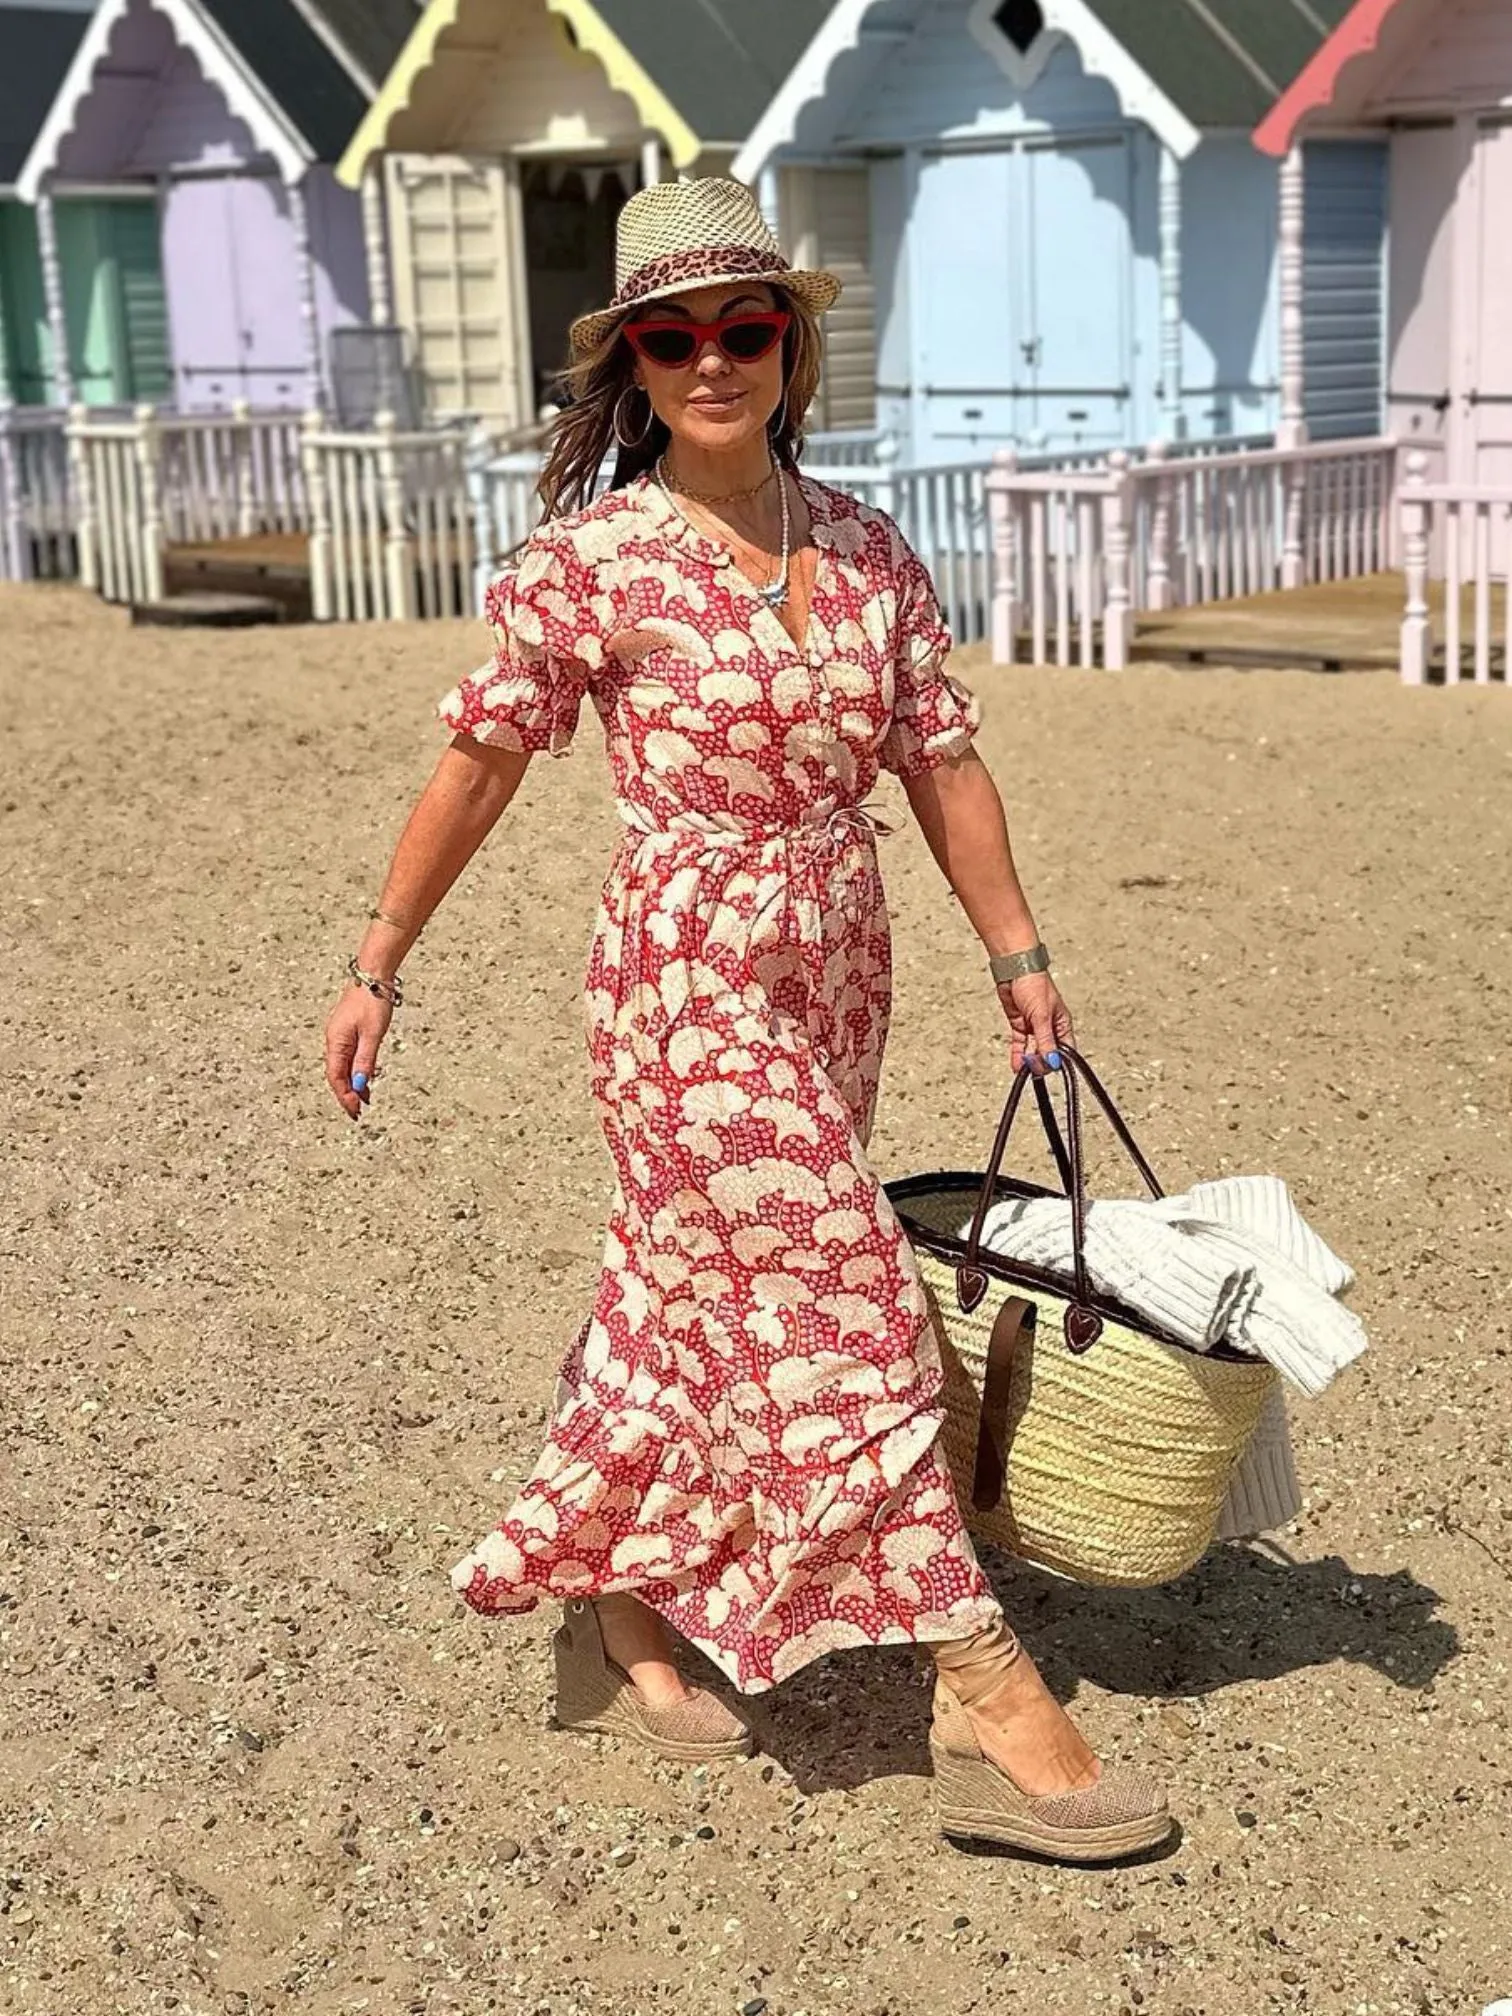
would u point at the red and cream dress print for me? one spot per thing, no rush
(746, 1428)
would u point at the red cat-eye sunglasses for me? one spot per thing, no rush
(740, 339)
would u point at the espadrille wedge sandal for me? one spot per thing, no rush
(597, 1698)
(976, 1800)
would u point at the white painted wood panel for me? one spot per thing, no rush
(1465, 61)
(1230, 364)
(1425, 168)
(1489, 391)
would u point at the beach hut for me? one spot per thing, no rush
(114, 308)
(504, 142)
(188, 148)
(1434, 82)
(1070, 241)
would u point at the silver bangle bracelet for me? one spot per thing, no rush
(1009, 966)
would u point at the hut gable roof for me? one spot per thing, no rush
(1184, 67)
(297, 71)
(1369, 39)
(40, 43)
(698, 72)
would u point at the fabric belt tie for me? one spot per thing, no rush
(811, 846)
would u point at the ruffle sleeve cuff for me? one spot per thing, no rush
(934, 716)
(530, 697)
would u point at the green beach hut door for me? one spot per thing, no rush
(113, 299)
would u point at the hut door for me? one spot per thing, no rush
(232, 261)
(113, 299)
(1487, 424)
(968, 357)
(459, 282)
(1075, 281)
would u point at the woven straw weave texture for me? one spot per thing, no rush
(672, 217)
(1118, 1460)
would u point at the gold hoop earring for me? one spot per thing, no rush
(625, 440)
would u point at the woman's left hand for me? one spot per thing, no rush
(1039, 1019)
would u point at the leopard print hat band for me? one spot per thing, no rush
(676, 235)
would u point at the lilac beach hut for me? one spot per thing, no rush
(227, 114)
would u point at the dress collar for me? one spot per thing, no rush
(673, 525)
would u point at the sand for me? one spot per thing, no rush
(268, 1371)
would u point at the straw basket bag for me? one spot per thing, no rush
(1080, 1436)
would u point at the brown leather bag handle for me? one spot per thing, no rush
(1083, 1326)
(1014, 1322)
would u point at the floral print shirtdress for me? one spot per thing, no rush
(746, 1426)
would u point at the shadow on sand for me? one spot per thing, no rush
(1240, 1614)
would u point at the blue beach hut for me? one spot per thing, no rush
(1063, 237)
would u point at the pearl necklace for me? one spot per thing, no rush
(775, 592)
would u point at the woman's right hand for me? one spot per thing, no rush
(355, 1028)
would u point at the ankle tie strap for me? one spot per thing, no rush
(972, 1667)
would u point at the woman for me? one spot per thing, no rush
(745, 1445)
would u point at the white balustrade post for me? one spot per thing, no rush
(81, 476)
(1292, 431)
(480, 503)
(1005, 605)
(14, 548)
(1118, 528)
(769, 198)
(375, 243)
(1159, 593)
(885, 489)
(651, 160)
(317, 492)
(398, 558)
(243, 465)
(149, 533)
(1172, 416)
(1294, 480)
(52, 294)
(1417, 622)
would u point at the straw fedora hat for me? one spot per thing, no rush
(676, 235)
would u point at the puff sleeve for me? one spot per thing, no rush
(934, 716)
(546, 648)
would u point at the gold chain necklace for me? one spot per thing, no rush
(671, 482)
(774, 592)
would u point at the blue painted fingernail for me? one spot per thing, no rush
(359, 1081)
(1053, 1059)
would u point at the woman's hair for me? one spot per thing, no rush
(583, 432)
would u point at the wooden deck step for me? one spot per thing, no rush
(273, 566)
(220, 612)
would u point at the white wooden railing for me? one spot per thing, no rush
(114, 478)
(36, 500)
(230, 475)
(391, 533)
(146, 481)
(1471, 528)
(1077, 553)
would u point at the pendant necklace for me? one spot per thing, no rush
(775, 592)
